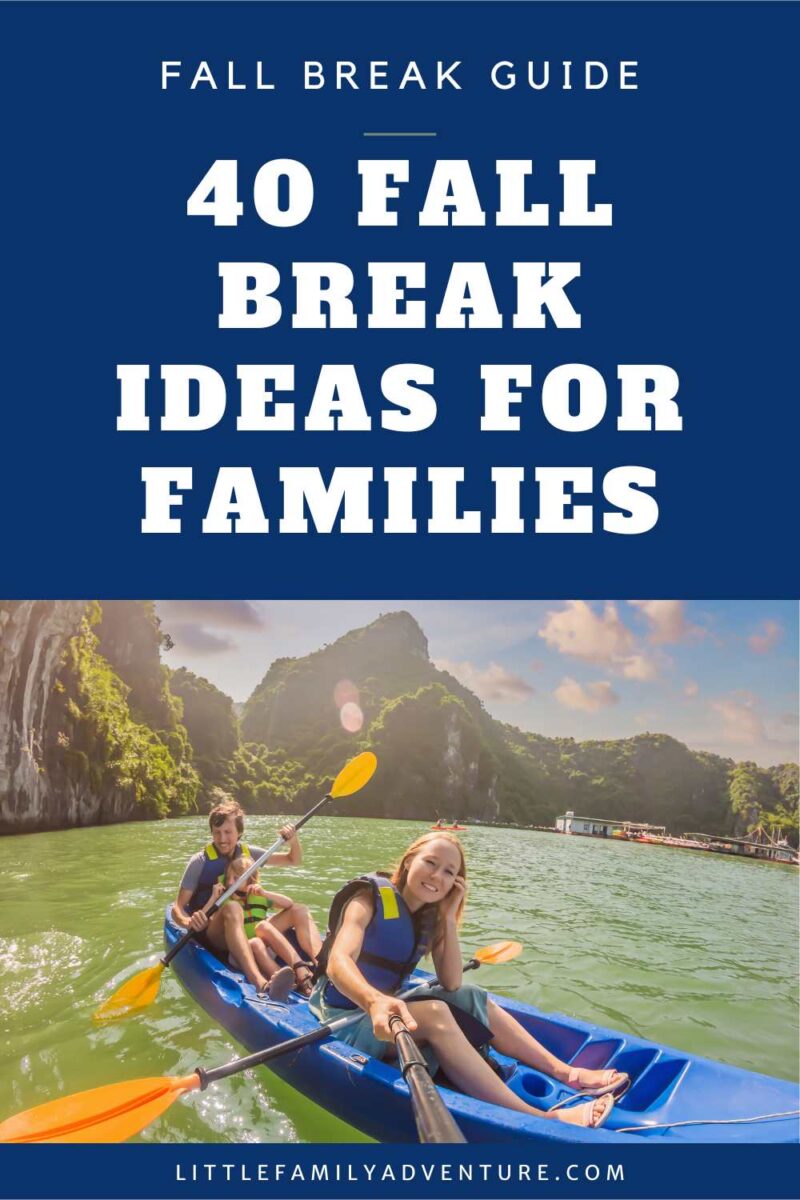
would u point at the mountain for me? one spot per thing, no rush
(441, 753)
(95, 728)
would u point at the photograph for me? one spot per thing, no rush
(342, 853)
(594, 803)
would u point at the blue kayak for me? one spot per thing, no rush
(668, 1086)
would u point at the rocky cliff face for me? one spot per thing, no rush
(33, 636)
(71, 750)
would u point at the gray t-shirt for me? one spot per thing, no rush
(191, 876)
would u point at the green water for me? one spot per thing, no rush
(694, 950)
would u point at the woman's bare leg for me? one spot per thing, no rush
(470, 1072)
(512, 1039)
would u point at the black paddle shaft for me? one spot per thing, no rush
(304, 1039)
(433, 1119)
(261, 1056)
(190, 933)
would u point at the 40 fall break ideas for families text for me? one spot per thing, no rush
(572, 397)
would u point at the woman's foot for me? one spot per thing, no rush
(590, 1116)
(597, 1083)
(304, 974)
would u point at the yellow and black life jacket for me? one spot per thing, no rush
(214, 867)
(394, 941)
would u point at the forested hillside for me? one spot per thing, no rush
(94, 727)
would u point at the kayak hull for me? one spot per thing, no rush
(668, 1085)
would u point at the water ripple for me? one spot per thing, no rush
(691, 950)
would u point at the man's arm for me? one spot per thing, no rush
(292, 856)
(191, 877)
(179, 913)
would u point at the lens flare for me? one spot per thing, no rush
(351, 717)
(345, 692)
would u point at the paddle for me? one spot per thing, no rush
(120, 1110)
(432, 1117)
(140, 991)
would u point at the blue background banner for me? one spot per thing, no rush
(130, 1172)
(102, 266)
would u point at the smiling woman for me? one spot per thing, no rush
(379, 929)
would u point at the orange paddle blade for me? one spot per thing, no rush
(498, 952)
(137, 993)
(107, 1114)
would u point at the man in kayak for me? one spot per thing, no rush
(224, 932)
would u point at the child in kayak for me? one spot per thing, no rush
(380, 928)
(265, 933)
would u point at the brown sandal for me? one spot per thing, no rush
(305, 986)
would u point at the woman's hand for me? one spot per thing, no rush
(450, 905)
(288, 833)
(382, 1009)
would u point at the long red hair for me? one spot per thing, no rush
(400, 873)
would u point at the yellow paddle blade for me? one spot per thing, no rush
(106, 1114)
(354, 775)
(498, 952)
(137, 993)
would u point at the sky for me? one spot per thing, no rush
(719, 675)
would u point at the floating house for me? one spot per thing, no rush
(758, 844)
(603, 827)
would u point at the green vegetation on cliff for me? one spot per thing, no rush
(441, 753)
(120, 736)
(103, 740)
(262, 780)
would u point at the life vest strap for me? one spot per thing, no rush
(401, 969)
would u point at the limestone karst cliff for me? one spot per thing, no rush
(33, 636)
(94, 728)
(79, 745)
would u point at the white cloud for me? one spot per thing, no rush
(640, 667)
(195, 639)
(667, 621)
(579, 631)
(691, 688)
(226, 614)
(489, 683)
(768, 637)
(741, 722)
(590, 697)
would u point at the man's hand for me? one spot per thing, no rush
(381, 1011)
(293, 855)
(198, 921)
